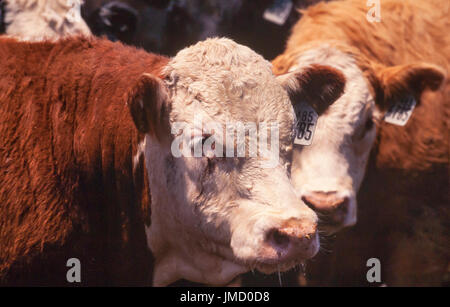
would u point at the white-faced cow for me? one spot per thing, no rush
(73, 179)
(34, 20)
(400, 60)
(384, 64)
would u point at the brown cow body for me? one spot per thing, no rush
(403, 201)
(66, 137)
(74, 182)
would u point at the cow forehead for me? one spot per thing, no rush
(349, 110)
(231, 82)
(218, 54)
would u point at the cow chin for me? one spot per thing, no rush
(282, 267)
(270, 266)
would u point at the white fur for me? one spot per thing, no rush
(210, 227)
(36, 20)
(337, 158)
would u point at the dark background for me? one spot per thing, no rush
(167, 26)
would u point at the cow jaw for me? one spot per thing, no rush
(204, 261)
(204, 254)
(173, 263)
(329, 172)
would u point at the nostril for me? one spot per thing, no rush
(308, 202)
(294, 239)
(325, 202)
(278, 239)
(316, 203)
(342, 204)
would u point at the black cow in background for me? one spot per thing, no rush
(166, 26)
(2, 17)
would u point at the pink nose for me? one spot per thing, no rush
(328, 203)
(296, 239)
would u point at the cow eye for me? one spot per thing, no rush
(199, 141)
(368, 126)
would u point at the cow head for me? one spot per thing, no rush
(116, 20)
(328, 173)
(219, 210)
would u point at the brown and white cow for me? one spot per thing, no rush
(35, 20)
(73, 178)
(384, 63)
(405, 195)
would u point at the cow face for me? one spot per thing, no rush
(116, 20)
(218, 213)
(328, 173)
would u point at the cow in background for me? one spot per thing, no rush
(158, 26)
(77, 174)
(403, 218)
(34, 20)
(168, 26)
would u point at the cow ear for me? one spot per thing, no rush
(318, 85)
(399, 81)
(150, 106)
(280, 65)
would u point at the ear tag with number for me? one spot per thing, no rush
(305, 123)
(399, 113)
(278, 12)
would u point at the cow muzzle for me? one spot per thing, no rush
(295, 239)
(335, 210)
(280, 247)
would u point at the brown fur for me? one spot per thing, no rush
(344, 22)
(320, 85)
(403, 215)
(68, 188)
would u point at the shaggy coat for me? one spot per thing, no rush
(73, 179)
(403, 218)
(67, 134)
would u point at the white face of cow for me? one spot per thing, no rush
(328, 173)
(216, 217)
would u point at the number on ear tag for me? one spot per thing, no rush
(305, 123)
(399, 113)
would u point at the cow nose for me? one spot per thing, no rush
(296, 239)
(328, 203)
